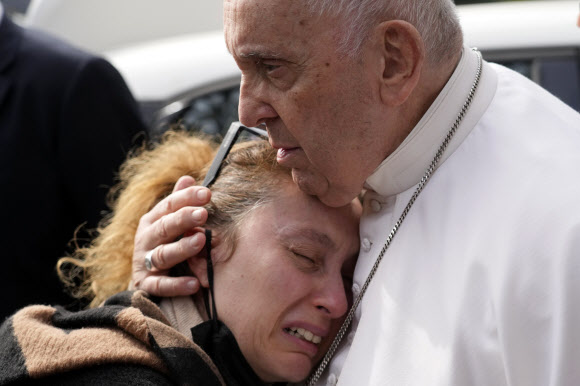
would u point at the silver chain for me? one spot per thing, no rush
(314, 377)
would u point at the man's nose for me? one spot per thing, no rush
(254, 107)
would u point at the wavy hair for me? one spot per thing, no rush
(250, 177)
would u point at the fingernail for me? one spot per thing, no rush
(191, 284)
(197, 214)
(202, 194)
(196, 239)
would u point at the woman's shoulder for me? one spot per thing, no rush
(127, 331)
(43, 341)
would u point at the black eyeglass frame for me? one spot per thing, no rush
(230, 139)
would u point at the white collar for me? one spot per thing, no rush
(404, 168)
(1, 13)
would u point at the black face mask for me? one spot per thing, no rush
(216, 339)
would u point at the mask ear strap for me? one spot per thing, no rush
(213, 312)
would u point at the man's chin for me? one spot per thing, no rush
(334, 201)
(318, 186)
(308, 183)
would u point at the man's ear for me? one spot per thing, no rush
(403, 56)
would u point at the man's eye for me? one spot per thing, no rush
(270, 67)
(273, 69)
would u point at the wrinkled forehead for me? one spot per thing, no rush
(264, 10)
(248, 22)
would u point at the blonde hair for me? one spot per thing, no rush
(250, 176)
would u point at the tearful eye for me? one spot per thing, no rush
(303, 257)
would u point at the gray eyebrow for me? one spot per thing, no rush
(260, 54)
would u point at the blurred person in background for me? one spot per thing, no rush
(67, 120)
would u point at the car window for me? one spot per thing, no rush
(213, 112)
(210, 113)
(559, 75)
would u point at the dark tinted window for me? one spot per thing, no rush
(560, 76)
(211, 113)
(524, 67)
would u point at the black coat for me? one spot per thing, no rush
(67, 120)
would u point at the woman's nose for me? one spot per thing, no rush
(332, 297)
(254, 107)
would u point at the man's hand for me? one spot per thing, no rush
(176, 215)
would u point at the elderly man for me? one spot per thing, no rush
(470, 239)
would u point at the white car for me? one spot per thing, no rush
(191, 79)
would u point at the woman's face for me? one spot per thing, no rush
(283, 292)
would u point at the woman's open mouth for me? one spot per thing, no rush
(304, 334)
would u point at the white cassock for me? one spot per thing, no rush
(481, 285)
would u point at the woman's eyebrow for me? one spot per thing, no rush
(309, 233)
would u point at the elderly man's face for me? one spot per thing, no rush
(322, 109)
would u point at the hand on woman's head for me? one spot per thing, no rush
(157, 233)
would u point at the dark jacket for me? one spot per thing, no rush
(126, 341)
(67, 120)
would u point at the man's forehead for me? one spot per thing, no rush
(264, 28)
(255, 13)
(278, 6)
